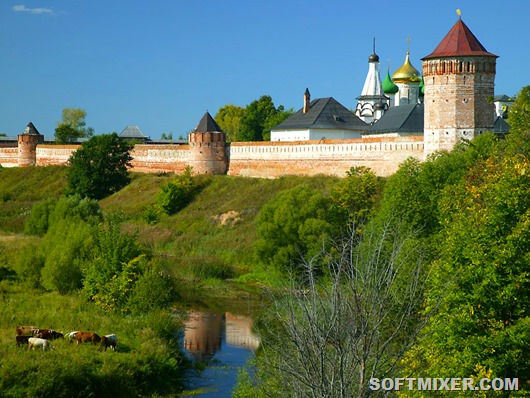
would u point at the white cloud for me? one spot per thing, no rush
(23, 8)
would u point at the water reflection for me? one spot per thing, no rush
(204, 333)
(224, 342)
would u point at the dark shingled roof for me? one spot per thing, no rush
(207, 125)
(31, 130)
(401, 119)
(460, 42)
(501, 126)
(132, 132)
(324, 113)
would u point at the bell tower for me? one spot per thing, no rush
(459, 80)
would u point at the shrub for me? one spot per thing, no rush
(38, 220)
(29, 265)
(152, 291)
(176, 195)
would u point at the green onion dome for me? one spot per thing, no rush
(388, 85)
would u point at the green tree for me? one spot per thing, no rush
(483, 273)
(519, 121)
(293, 224)
(99, 167)
(355, 196)
(72, 126)
(229, 118)
(258, 119)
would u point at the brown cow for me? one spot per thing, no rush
(87, 337)
(25, 330)
(47, 334)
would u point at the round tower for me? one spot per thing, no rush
(27, 146)
(459, 79)
(208, 148)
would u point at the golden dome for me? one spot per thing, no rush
(406, 73)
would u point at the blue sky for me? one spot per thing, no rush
(161, 64)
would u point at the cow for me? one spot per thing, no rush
(47, 334)
(87, 337)
(22, 340)
(109, 340)
(37, 342)
(25, 330)
(71, 336)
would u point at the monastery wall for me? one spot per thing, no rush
(51, 155)
(272, 159)
(259, 159)
(160, 158)
(8, 155)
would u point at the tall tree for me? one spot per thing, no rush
(259, 117)
(99, 167)
(72, 126)
(229, 119)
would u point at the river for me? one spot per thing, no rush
(220, 343)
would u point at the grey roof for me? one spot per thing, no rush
(401, 119)
(132, 132)
(31, 130)
(207, 125)
(501, 126)
(503, 97)
(324, 113)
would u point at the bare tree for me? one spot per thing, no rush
(330, 334)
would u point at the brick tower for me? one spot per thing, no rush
(208, 148)
(459, 80)
(27, 146)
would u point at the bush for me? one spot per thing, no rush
(176, 195)
(38, 220)
(29, 265)
(152, 291)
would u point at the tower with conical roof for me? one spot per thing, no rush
(372, 97)
(408, 80)
(459, 79)
(27, 145)
(208, 147)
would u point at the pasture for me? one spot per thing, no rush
(147, 360)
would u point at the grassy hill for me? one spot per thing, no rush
(212, 237)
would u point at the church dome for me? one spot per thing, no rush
(406, 73)
(388, 85)
(373, 58)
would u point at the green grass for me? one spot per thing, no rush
(146, 361)
(22, 187)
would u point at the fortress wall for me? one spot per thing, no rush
(9, 155)
(160, 158)
(260, 159)
(271, 160)
(48, 155)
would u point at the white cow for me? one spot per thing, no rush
(71, 336)
(37, 342)
(109, 340)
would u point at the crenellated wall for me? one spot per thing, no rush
(273, 159)
(259, 159)
(160, 158)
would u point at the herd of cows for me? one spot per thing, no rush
(35, 337)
